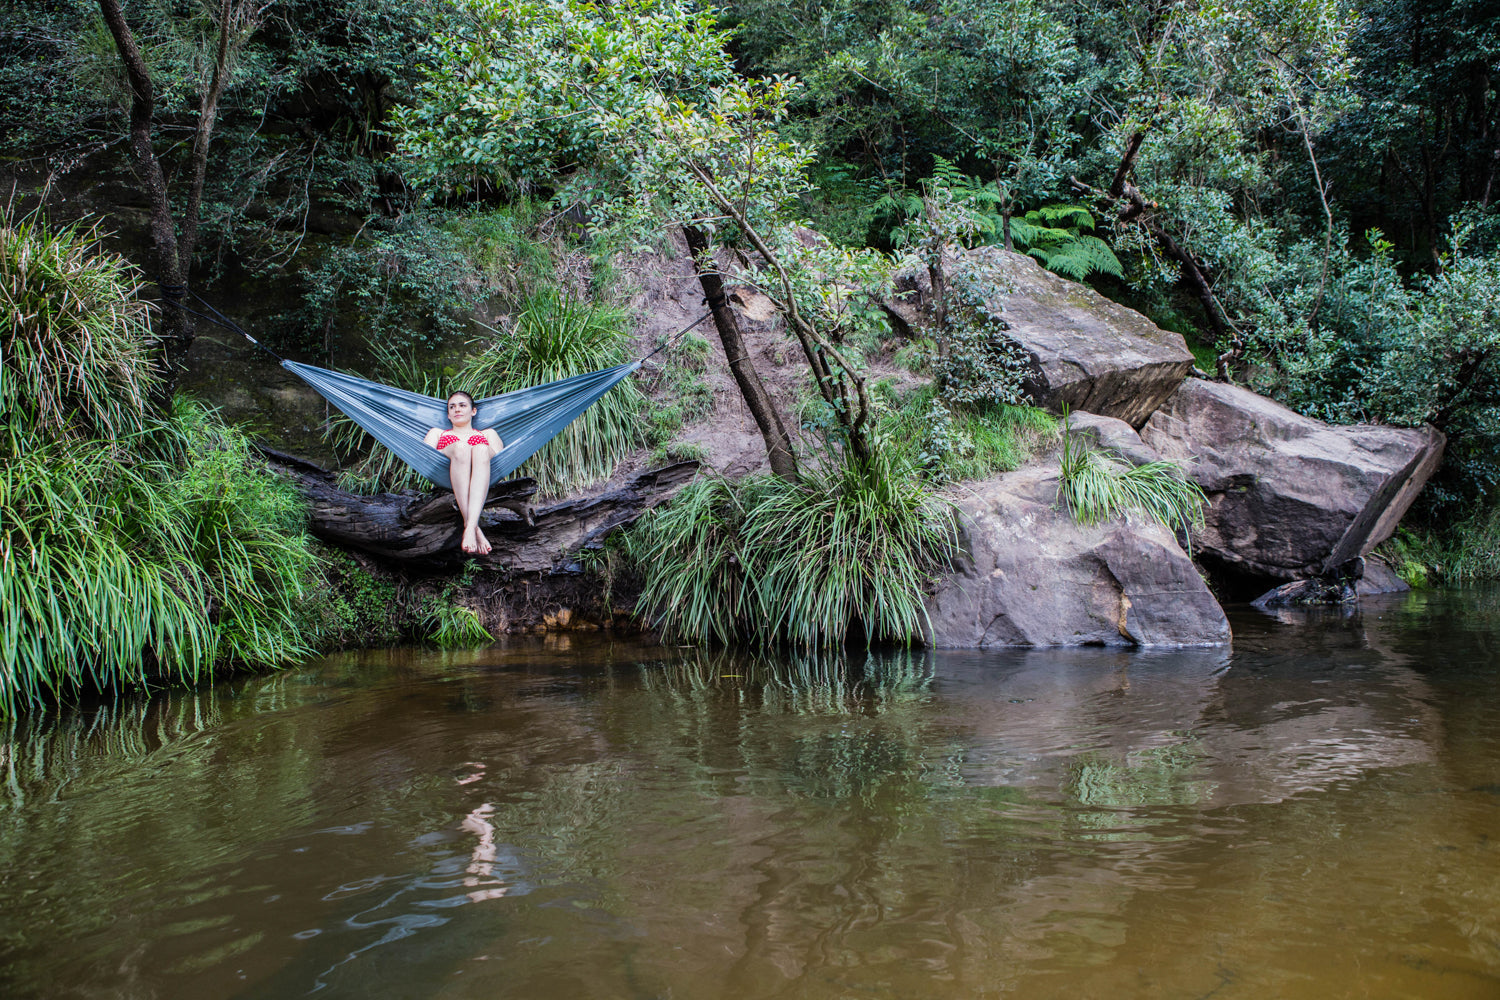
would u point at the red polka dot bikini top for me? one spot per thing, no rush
(444, 440)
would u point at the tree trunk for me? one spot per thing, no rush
(783, 459)
(423, 531)
(171, 248)
(176, 328)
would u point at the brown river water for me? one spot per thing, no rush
(1312, 814)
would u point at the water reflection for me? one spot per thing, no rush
(1307, 816)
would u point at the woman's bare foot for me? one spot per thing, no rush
(470, 544)
(485, 547)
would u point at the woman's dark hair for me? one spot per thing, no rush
(460, 392)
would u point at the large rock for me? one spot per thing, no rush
(1112, 435)
(1087, 352)
(1036, 578)
(1290, 497)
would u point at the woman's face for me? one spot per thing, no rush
(460, 409)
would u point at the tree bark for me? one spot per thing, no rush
(782, 458)
(423, 531)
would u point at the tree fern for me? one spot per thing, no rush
(1053, 235)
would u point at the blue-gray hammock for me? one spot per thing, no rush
(525, 419)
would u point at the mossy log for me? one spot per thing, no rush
(423, 529)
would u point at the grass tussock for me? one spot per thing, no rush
(768, 560)
(556, 335)
(452, 626)
(163, 555)
(74, 339)
(1097, 485)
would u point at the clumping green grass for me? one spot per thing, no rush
(133, 548)
(74, 339)
(1096, 485)
(452, 625)
(767, 560)
(163, 555)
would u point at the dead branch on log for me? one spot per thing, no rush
(424, 530)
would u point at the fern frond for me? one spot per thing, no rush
(1067, 261)
(1101, 258)
(1063, 217)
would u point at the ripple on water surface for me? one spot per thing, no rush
(1314, 814)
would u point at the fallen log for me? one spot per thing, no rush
(422, 530)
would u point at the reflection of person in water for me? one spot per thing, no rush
(482, 868)
(482, 860)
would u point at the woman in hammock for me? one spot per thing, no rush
(469, 451)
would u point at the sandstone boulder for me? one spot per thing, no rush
(1379, 578)
(1290, 497)
(1113, 435)
(1087, 352)
(1036, 578)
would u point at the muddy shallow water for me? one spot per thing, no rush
(1315, 813)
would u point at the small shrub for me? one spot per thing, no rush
(955, 443)
(410, 287)
(352, 607)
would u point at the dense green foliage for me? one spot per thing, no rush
(131, 547)
(955, 443)
(165, 554)
(1328, 169)
(298, 139)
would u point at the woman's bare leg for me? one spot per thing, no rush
(460, 472)
(479, 488)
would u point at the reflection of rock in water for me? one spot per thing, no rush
(1125, 729)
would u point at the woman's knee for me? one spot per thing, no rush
(458, 453)
(480, 452)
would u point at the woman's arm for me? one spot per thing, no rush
(495, 441)
(431, 439)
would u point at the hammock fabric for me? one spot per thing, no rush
(525, 419)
